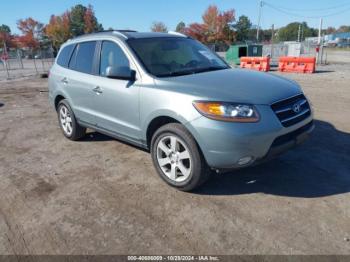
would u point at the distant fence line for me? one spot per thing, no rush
(277, 50)
(22, 63)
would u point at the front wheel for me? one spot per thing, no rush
(177, 158)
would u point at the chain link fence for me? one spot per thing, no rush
(276, 50)
(297, 49)
(24, 63)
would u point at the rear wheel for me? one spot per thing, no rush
(177, 158)
(69, 126)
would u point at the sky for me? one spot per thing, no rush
(139, 14)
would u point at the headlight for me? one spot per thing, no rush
(224, 111)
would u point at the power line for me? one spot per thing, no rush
(313, 9)
(303, 16)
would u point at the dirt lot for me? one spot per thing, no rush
(100, 196)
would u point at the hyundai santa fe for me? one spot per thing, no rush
(171, 95)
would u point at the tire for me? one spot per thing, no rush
(74, 131)
(183, 165)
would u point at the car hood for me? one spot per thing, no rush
(232, 85)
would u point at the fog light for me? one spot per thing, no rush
(245, 160)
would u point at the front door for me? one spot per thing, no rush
(116, 101)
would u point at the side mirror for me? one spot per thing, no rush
(121, 72)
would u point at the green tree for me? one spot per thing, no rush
(77, 25)
(5, 35)
(242, 27)
(5, 29)
(83, 20)
(180, 27)
(290, 32)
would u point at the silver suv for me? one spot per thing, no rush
(171, 95)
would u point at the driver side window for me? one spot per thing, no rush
(112, 56)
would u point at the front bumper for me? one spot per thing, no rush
(224, 143)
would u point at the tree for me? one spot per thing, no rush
(77, 24)
(242, 27)
(216, 26)
(159, 27)
(32, 32)
(5, 35)
(343, 29)
(217, 23)
(290, 31)
(58, 29)
(180, 27)
(79, 20)
(83, 20)
(329, 30)
(265, 35)
(90, 20)
(5, 29)
(196, 31)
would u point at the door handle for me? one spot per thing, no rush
(97, 90)
(65, 81)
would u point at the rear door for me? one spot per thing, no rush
(117, 101)
(80, 81)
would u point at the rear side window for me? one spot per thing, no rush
(83, 57)
(64, 56)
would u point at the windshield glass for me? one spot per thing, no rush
(175, 56)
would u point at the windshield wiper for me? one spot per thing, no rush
(210, 68)
(193, 71)
(178, 73)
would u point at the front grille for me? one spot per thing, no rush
(285, 113)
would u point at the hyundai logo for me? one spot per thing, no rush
(296, 108)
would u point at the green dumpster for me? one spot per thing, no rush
(234, 53)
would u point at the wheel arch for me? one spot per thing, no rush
(161, 120)
(58, 98)
(155, 124)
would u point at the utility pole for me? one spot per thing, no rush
(302, 32)
(5, 60)
(320, 49)
(320, 31)
(261, 3)
(272, 39)
(299, 32)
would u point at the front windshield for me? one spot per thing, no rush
(175, 56)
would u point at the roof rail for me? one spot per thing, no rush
(126, 30)
(177, 33)
(118, 32)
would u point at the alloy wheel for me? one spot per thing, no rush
(66, 120)
(174, 158)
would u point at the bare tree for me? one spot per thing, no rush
(159, 27)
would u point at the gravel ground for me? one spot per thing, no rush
(101, 196)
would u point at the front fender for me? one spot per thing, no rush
(156, 102)
(161, 113)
